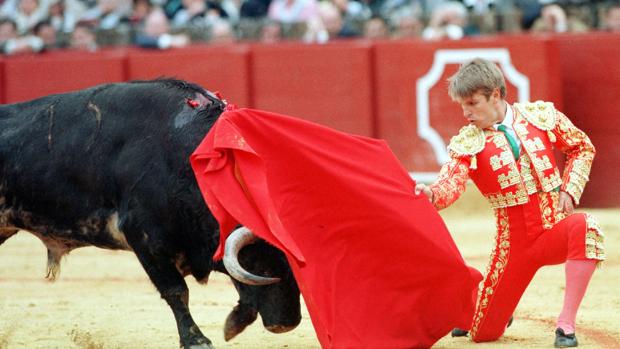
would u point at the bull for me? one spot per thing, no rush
(108, 166)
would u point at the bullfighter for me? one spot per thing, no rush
(507, 151)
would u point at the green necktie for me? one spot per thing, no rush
(511, 141)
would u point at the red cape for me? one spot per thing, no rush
(375, 263)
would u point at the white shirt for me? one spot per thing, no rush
(508, 120)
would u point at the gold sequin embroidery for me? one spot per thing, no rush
(578, 177)
(533, 145)
(541, 164)
(499, 140)
(498, 161)
(521, 130)
(509, 199)
(548, 203)
(540, 114)
(526, 174)
(509, 179)
(450, 183)
(495, 268)
(469, 141)
(595, 239)
(552, 181)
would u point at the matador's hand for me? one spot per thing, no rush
(423, 188)
(565, 203)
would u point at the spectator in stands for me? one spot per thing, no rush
(447, 22)
(293, 11)
(156, 32)
(11, 43)
(553, 19)
(271, 32)
(528, 10)
(407, 23)
(23, 44)
(83, 37)
(8, 8)
(328, 26)
(387, 8)
(171, 7)
(230, 9)
(77, 8)
(376, 28)
(354, 14)
(29, 13)
(479, 6)
(612, 18)
(107, 14)
(199, 13)
(192, 13)
(8, 30)
(139, 11)
(254, 8)
(45, 31)
(483, 16)
(222, 33)
(63, 21)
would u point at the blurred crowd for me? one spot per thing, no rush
(41, 25)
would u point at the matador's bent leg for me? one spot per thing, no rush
(508, 275)
(578, 240)
(501, 292)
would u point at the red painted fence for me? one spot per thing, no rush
(395, 90)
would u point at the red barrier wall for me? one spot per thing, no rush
(2, 90)
(591, 90)
(400, 66)
(223, 69)
(28, 77)
(328, 84)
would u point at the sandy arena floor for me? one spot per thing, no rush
(103, 299)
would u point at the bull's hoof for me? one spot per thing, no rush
(197, 340)
(457, 332)
(238, 319)
(201, 346)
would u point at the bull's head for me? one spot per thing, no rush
(275, 296)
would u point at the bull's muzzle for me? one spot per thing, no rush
(238, 239)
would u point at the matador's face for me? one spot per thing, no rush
(481, 111)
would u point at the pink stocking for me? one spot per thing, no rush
(578, 274)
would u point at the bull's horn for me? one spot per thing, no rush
(234, 243)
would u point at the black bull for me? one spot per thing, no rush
(109, 167)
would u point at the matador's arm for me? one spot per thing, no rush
(451, 182)
(579, 152)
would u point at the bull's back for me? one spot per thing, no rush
(78, 152)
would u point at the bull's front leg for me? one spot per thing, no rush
(160, 267)
(190, 335)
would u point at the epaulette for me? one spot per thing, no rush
(540, 114)
(469, 141)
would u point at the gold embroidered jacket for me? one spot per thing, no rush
(485, 157)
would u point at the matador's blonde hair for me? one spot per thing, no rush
(477, 75)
